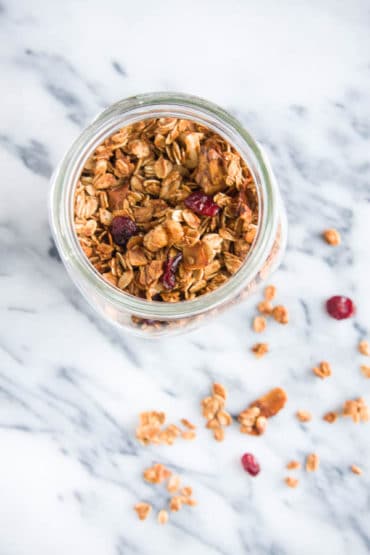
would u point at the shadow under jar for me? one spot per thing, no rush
(152, 317)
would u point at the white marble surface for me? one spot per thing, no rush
(298, 75)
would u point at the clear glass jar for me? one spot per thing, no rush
(152, 317)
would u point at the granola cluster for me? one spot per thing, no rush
(151, 429)
(166, 209)
(213, 410)
(253, 420)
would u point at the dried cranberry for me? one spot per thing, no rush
(202, 204)
(170, 267)
(250, 464)
(122, 228)
(340, 307)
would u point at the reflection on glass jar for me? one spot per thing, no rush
(149, 317)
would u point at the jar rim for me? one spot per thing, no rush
(126, 112)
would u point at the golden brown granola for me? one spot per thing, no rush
(330, 417)
(265, 307)
(162, 517)
(146, 173)
(142, 510)
(173, 483)
(364, 347)
(293, 465)
(156, 474)
(332, 237)
(365, 370)
(253, 420)
(259, 324)
(323, 370)
(213, 410)
(151, 430)
(270, 292)
(291, 482)
(280, 314)
(304, 415)
(356, 469)
(260, 349)
(312, 462)
(356, 409)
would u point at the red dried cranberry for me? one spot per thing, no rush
(250, 464)
(122, 228)
(340, 307)
(170, 267)
(202, 204)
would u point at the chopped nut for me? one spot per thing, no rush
(280, 314)
(291, 482)
(357, 410)
(142, 510)
(323, 370)
(365, 370)
(304, 415)
(332, 237)
(312, 462)
(293, 465)
(260, 349)
(364, 347)
(173, 483)
(162, 516)
(330, 417)
(270, 292)
(259, 324)
(265, 307)
(356, 469)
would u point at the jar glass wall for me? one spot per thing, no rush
(152, 317)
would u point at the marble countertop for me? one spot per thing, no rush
(297, 74)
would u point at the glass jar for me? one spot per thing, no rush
(152, 317)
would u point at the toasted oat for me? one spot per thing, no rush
(213, 410)
(330, 417)
(280, 314)
(173, 483)
(156, 474)
(270, 292)
(152, 431)
(187, 491)
(162, 517)
(323, 370)
(312, 462)
(291, 482)
(356, 409)
(332, 237)
(265, 307)
(143, 510)
(175, 503)
(185, 422)
(356, 469)
(364, 347)
(146, 172)
(304, 415)
(259, 324)
(188, 435)
(293, 465)
(260, 349)
(365, 370)
(252, 422)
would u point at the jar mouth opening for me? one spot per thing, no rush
(129, 111)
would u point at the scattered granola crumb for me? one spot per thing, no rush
(156, 474)
(365, 370)
(356, 469)
(213, 410)
(291, 482)
(173, 483)
(364, 347)
(185, 422)
(187, 491)
(293, 465)
(259, 324)
(265, 307)
(280, 314)
(162, 516)
(151, 430)
(188, 435)
(323, 370)
(143, 510)
(312, 462)
(270, 292)
(332, 237)
(357, 410)
(304, 415)
(260, 349)
(330, 417)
